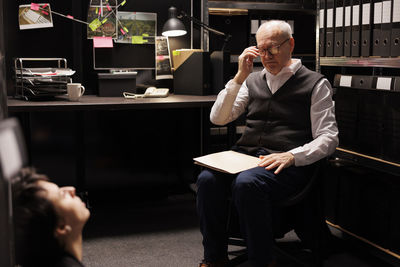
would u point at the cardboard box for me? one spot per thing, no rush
(192, 76)
(181, 55)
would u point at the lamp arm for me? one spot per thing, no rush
(208, 28)
(202, 24)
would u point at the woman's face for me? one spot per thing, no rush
(69, 207)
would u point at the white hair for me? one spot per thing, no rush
(283, 26)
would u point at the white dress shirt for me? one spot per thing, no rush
(233, 100)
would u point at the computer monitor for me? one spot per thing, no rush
(125, 56)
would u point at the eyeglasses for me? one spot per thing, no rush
(272, 50)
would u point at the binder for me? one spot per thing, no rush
(322, 23)
(355, 28)
(384, 83)
(363, 82)
(395, 42)
(341, 80)
(396, 86)
(330, 15)
(367, 11)
(386, 28)
(347, 28)
(339, 30)
(376, 28)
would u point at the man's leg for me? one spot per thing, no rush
(212, 208)
(254, 192)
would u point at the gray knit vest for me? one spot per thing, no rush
(281, 121)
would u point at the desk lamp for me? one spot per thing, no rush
(174, 27)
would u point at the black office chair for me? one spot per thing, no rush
(307, 218)
(13, 157)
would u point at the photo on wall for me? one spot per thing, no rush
(163, 59)
(102, 23)
(103, 2)
(34, 16)
(136, 27)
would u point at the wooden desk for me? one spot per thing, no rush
(90, 103)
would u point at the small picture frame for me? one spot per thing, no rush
(34, 16)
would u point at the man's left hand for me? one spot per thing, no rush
(277, 160)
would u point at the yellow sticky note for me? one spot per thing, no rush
(125, 29)
(176, 53)
(104, 21)
(145, 34)
(95, 24)
(123, 3)
(137, 40)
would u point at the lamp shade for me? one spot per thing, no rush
(173, 26)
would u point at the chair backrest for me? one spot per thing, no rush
(297, 197)
(13, 157)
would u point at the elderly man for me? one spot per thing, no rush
(290, 124)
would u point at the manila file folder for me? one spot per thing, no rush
(228, 161)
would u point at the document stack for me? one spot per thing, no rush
(36, 80)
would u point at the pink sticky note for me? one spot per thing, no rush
(34, 6)
(70, 17)
(123, 32)
(160, 57)
(45, 5)
(44, 12)
(108, 7)
(102, 42)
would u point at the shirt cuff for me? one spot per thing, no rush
(298, 156)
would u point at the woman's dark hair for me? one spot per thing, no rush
(35, 220)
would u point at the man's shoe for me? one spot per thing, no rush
(222, 263)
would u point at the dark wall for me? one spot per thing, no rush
(67, 39)
(3, 93)
(121, 148)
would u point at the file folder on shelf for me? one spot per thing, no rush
(384, 83)
(395, 42)
(367, 9)
(376, 28)
(396, 86)
(346, 107)
(386, 28)
(347, 28)
(339, 33)
(330, 15)
(363, 82)
(341, 80)
(355, 28)
(322, 23)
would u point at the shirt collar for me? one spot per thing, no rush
(292, 69)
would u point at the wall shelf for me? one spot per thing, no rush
(360, 62)
(368, 161)
(272, 6)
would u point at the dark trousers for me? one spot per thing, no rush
(253, 193)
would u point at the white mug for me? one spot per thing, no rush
(75, 91)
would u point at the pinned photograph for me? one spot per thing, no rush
(34, 16)
(137, 27)
(103, 2)
(163, 59)
(101, 22)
